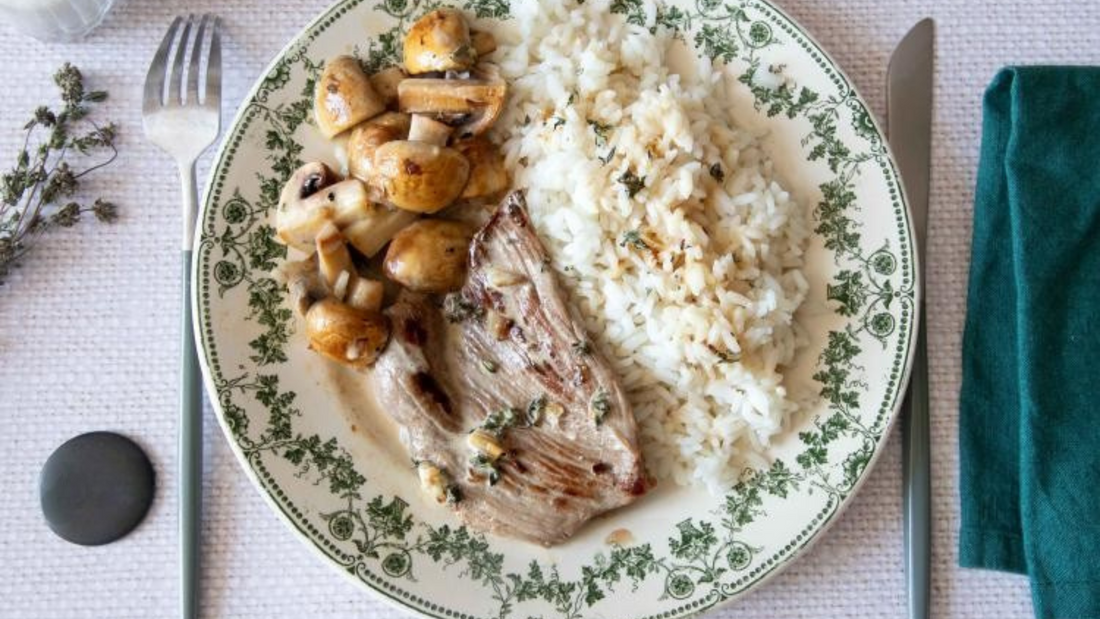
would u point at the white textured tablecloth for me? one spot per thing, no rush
(88, 336)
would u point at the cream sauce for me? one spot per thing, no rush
(361, 411)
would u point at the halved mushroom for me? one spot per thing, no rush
(385, 83)
(306, 181)
(429, 256)
(345, 334)
(299, 225)
(367, 137)
(488, 177)
(311, 198)
(483, 41)
(348, 199)
(296, 220)
(344, 97)
(470, 105)
(370, 234)
(418, 176)
(439, 41)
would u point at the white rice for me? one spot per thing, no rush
(717, 269)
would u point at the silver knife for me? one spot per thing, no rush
(909, 125)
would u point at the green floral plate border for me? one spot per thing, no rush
(338, 487)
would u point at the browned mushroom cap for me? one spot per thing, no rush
(385, 83)
(488, 177)
(418, 176)
(344, 97)
(439, 41)
(345, 334)
(367, 137)
(429, 256)
(470, 105)
(483, 41)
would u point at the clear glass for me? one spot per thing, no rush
(54, 20)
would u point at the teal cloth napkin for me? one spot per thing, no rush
(1029, 419)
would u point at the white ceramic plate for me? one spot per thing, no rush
(331, 467)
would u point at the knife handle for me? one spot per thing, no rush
(916, 462)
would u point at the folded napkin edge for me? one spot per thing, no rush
(990, 549)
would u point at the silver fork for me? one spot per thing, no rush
(184, 124)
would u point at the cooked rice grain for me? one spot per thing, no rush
(691, 284)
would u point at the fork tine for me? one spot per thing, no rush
(154, 79)
(196, 62)
(175, 79)
(214, 67)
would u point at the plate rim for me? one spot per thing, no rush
(303, 35)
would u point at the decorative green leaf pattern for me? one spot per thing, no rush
(497, 9)
(634, 10)
(717, 43)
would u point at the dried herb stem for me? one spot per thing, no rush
(36, 193)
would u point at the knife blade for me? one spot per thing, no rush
(909, 129)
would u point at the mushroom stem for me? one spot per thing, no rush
(365, 294)
(371, 234)
(425, 129)
(304, 284)
(332, 253)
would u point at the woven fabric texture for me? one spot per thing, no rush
(88, 335)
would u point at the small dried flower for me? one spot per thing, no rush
(105, 211)
(69, 79)
(42, 116)
(66, 216)
(61, 183)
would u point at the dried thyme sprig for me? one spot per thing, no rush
(36, 194)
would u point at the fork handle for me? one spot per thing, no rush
(190, 457)
(190, 428)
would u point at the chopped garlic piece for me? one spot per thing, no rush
(485, 443)
(498, 324)
(432, 481)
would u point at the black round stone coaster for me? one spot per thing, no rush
(96, 488)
